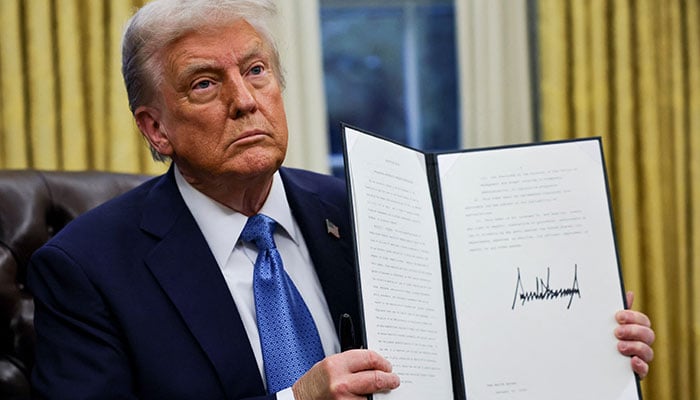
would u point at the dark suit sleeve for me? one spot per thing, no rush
(80, 352)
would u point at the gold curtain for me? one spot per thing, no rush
(63, 104)
(629, 71)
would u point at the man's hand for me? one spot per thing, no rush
(636, 336)
(349, 375)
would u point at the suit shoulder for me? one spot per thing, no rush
(110, 218)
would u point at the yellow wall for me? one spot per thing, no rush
(63, 104)
(629, 71)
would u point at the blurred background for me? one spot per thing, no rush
(436, 75)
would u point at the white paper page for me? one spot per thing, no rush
(535, 273)
(399, 260)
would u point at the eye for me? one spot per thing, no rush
(257, 70)
(203, 84)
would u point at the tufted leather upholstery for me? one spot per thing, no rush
(34, 205)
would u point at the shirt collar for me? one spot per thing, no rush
(222, 226)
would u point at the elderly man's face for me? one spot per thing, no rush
(221, 112)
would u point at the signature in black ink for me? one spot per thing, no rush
(544, 292)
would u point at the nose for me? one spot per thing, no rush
(242, 100)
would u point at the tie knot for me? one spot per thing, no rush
(258, 230)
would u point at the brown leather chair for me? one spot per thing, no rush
(34, 205)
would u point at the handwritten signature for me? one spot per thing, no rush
(544, 292)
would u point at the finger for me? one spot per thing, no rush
(363, 360)
(631, 317)
(640, 367)
(640, 350)
(634, 332)
(332, 377)
(630, 299)
(368, 382)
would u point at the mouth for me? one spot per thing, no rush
(251, 135)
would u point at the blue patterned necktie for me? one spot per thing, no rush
(288, 336)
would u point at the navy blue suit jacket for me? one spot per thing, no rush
(130, 302)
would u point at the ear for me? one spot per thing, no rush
(149, 122)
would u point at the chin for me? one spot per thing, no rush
(258, 166)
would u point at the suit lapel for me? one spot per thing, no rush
(333, 257)
(187, 272)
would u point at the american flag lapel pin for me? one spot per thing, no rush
(332, 229)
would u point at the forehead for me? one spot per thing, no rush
(232, 43)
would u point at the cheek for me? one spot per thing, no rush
(278, 118)
(198, 126)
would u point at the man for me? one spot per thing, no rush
(154, 294)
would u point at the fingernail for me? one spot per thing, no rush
(619, 332)
(621, 317)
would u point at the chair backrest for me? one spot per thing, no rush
(34, 205)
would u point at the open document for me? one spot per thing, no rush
(490, 273)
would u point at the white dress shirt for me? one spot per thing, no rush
(221, 227)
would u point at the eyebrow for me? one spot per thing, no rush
(197, 67)
(253, 51)
(193, 69)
